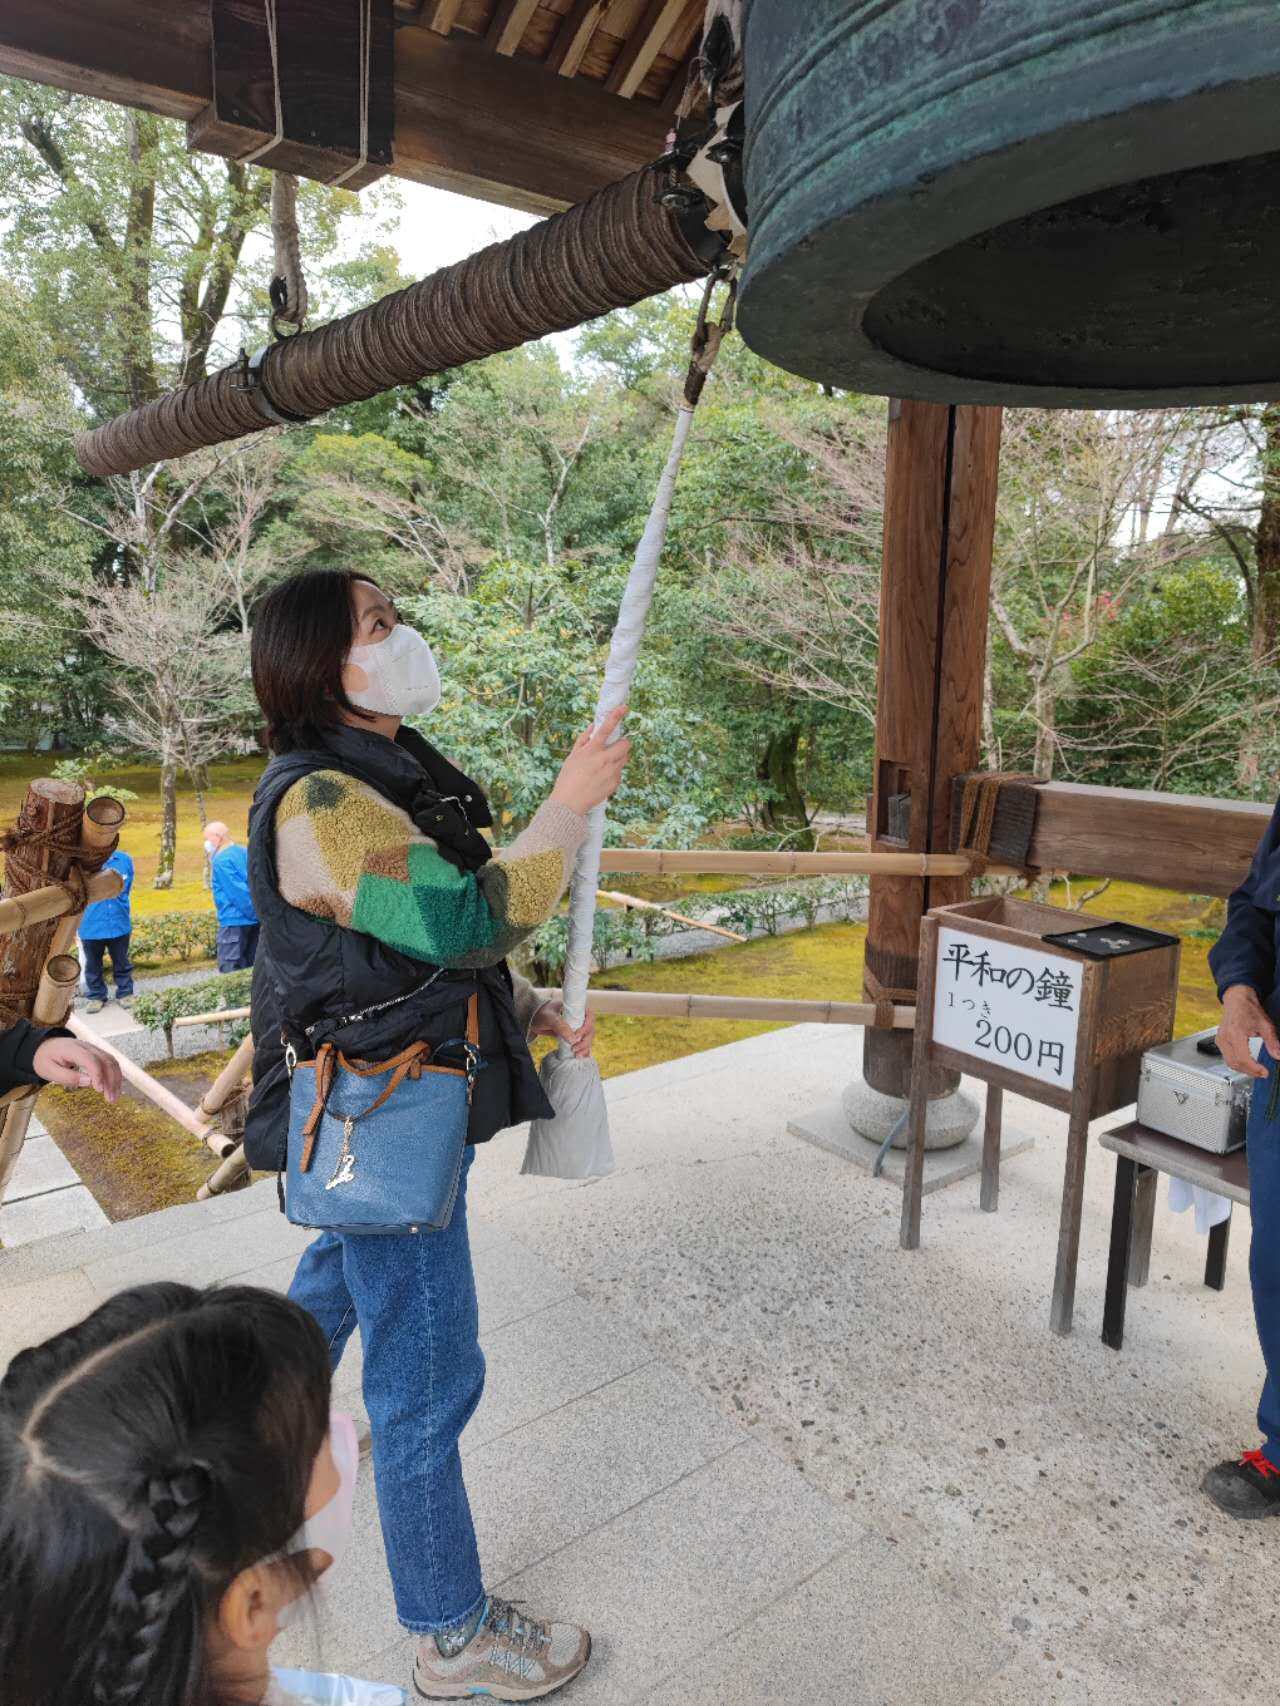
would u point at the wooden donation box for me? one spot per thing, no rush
(1063, 1024)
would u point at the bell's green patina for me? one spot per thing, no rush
(1048, 202)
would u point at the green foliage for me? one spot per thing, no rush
(522, 659)
(157, 1009)
(82, 767)
(175, 936)
(1170, 693)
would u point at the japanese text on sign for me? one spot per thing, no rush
(1017, 1007)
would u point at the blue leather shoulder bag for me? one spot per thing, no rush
(377, 1146)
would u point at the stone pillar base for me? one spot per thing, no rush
(873, 1115)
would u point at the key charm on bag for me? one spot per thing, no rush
(344, 1172)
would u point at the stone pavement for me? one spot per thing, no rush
(45, 1196)
(767, 1456)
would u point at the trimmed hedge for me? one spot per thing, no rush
(159, 1009)
(175, 936)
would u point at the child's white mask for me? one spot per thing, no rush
(403, 680)
(329, 1530)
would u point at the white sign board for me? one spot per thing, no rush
(1013, 1006)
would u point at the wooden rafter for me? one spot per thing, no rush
(643, 45)
(466, 119)
(574, 36)
(506, 30)
(443, 15)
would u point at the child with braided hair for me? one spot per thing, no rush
(172, 1483)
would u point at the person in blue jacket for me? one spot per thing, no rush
(105, 929)
(237, 920)
(1245, 962)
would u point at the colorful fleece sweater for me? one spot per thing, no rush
(345, 852)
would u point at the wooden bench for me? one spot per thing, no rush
(1141, 1156)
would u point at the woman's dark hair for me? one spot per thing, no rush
(147, 1456)
(302, 632)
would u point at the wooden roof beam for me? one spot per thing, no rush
(643, 46)
(506, 30)
(443, 14)
(481, 123)
(570, 46)
(1175, 841)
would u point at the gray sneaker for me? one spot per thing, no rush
(95, 1007)
(510, 1657)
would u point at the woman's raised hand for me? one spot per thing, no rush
(593, 769)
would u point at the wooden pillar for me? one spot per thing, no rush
(939, 518)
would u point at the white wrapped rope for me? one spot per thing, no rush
(575, 1145)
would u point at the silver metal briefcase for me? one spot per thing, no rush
(1193, 1096)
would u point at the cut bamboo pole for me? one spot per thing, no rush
(229, 1175)
(44, 846)
(19, 911)
(48, 810)
(660, 862)
(220, 1016)
(647, 1005)
(229, 1080)
(680, 917)
(153, 1090)
(57, 990)
(103, 821)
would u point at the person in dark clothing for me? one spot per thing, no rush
(43, 1054)
(105, 929)
(237, 919)
(384, 911)
(1246, 969)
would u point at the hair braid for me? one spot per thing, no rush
(155, 1580)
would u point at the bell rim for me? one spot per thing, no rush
(920, 216)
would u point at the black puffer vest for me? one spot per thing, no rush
(312, 974)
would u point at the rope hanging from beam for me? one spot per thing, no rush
(611, 251)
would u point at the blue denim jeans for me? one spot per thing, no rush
(413, 1297)
(1263, 1139)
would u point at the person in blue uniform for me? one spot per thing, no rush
(237, 920)
(105, 929)
(1245, 962)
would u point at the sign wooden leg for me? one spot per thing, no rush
(1064, 1278)
(918, 1096)
(991, 1132)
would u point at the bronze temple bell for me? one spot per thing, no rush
(1060, 203)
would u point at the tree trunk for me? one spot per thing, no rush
(990, 745)
(784, 809)
(168, 823)
(1045, 708)
(1266, 604)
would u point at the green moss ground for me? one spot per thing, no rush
(132, 1157)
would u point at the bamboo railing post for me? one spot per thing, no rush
(228, 1175)
(153, 1090)
(228, 1081)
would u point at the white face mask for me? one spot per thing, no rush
(329, 1530)
(403, 680)
(211, 847)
